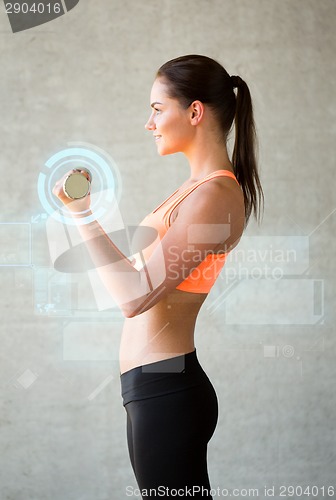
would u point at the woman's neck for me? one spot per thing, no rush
(207, 155)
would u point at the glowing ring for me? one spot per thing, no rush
(69, 154)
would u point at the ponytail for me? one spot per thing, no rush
(244, 151)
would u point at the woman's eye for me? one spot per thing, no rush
(156, 111)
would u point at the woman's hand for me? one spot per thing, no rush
(74, 206)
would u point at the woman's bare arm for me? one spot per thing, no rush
(209, 216)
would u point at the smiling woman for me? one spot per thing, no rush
(170, 402)
(168, 121)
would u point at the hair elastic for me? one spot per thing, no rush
(236, 81)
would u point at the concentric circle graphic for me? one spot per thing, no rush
(106, 181)
(288, 351)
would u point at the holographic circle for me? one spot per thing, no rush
(288, 351)
(105, 177)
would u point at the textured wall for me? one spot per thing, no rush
(267, 344)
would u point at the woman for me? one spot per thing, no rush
(170, 403)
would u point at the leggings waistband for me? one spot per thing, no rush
(162, 377)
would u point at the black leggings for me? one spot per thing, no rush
(172, 412)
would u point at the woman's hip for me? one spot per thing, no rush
(169, 376)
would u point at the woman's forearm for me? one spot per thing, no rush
(127, 286)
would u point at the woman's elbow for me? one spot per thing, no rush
(129, 311)
(135, 307)
(126, 311)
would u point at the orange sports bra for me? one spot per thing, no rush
(202, 278)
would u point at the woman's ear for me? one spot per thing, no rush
(197, 112)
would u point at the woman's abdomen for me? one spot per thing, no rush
(164, 331)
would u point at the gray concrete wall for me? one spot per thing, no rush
(267, 344)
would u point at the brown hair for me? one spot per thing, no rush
(195, 77)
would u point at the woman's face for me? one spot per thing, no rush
(169, 122)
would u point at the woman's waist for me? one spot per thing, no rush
(143, 343)
(161, 332)
(162, 377)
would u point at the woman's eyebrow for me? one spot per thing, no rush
(154, 103)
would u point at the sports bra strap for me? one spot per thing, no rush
(182, 196)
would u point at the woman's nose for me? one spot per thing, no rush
(150, 125)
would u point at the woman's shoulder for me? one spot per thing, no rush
(218, 192)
